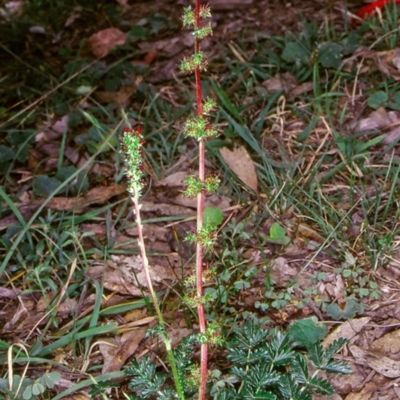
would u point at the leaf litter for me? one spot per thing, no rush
(281, 262)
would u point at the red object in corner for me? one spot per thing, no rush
(370, 8)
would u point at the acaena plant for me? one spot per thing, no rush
(270, 365)
(200, 128)
(259, 369)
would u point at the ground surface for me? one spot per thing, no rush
(311, 167)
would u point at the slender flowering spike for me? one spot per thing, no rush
(132, 146)
(200, 128)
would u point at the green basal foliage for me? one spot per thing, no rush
(265, 364)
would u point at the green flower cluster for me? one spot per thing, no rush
(132, 145)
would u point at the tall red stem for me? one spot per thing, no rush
(200, 210)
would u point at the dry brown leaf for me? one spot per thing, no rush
(169, 47)
(391, 57)
(135, 315)
(387, 345)
(347, 330)
(383, 365)
(117, 279)
(229, 4)
(176, 335)
(215, 200)
(9, 293)
(302, 88)
(165, 209)
(141, 322)
(281, 271)
(152, 232)
(123, 274)
(240, 162)
(100, 43)
(392, 136)
(305, 232)
(365, 394)
(281, 82)
(345, 384)
(120, 97)
(98, 195)
(120, 349)
(174, 180)
(385, 61)
(376, 120)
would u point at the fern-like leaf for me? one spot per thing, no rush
(244, 357)
(144, 379)
(299, 369)
(337, 367)
(320, 386)
(316, 355)
(290, 390)
(249, 336)
(334, 347)
(261, 376)
(280, 342)
(259, 395)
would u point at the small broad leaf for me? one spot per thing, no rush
(44, 186)
(37, 388)
(280, 342)
(21, 142)
(349, 311)
(377, 99)
(330, 55)
(27, 395)
(79, 185)
(3, 385)
(6, 153)
(350, 260)
(296, 53)
(396, 97)
(241, 285)
(307, 331)
(51, 379)
(212, 216)
(277, 234)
